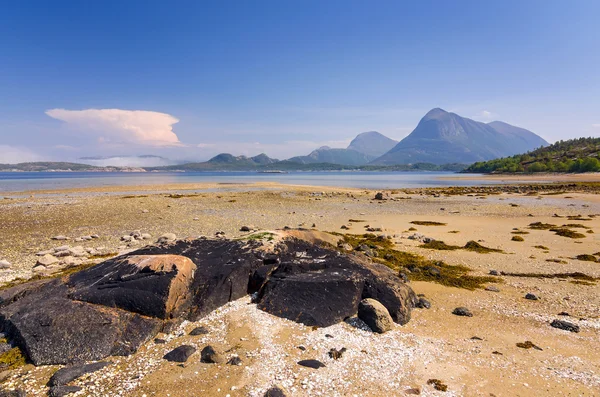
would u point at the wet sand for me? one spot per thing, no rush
(435, 344)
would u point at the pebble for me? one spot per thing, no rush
(210, 356)
(531, 297)
(45, 261)
(462, 311)
(492, 288)
(315, 364)
(4, 264)
(59, 238)
(166, 238)
(565, 325)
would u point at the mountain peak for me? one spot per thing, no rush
(435, 113)
(372, 143)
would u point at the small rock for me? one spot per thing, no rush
(62, 248)
(344, 227)
(336, 354)
(59, 238)
(60, 391)
(235, 360)
(531, 297)
(375, 315)
(46, 252)
(210, 356)
(423, 303)
(180, 354)
(565, 325)
(564, 314)
(528, 345)
(379, 196)
(494, 273)
(159, 341)
(492, 288)
(68, 374)
(462, 311)
(199, 331)
(246, 228)
(315, 364)
(167, 238)
(146, 236)
(4, 264)
(95, 236)
(275, 392)
(145, 211)
(46, 260)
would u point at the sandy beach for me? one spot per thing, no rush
(472, 356)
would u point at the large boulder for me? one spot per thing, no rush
(309, 266)
(319, 298)
(51, 328)
(152, 285)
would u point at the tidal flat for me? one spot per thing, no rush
(471, 356)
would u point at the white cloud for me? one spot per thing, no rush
(485, 115)
(596, 125)
(121, 126)
(14, 155)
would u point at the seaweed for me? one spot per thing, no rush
(564, 232)
(417, 267)
(541, 226)
(428, 223)
(476, 247)
(437, 384)
(440, 246)
(586, 257)
(574, 275)
(12, 359)
(517, 238)
(469, 246)
(542, 247)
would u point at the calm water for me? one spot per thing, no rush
(21, 181)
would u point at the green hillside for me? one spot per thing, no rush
(574, 155)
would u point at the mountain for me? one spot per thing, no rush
(56, 166)
(574, 155)
(226, 158)
(325, 154)
(372, 143)
(443, 137)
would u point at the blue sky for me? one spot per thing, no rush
(284, 77)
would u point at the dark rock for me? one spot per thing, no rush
(375, 315)
(564, 314)
(159, 341)
(312, 298)
(565, 325)
(462, 311)
(379, 283)
(315, 364)
(198, 331)
(60, 391)
(275, 392)
(423, 303)
(379, 196)
(336, 354)
(68, 374)
(302, 348)
(180, 354)
(151, 285)
(235, 360)
(494, 273)
(329, 336)
(52, 329)
(258, 278)
(13, 393)
(433, 271)
(476, 338)
(245, 229)
(209, 355)
(531, 297)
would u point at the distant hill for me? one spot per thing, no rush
(574, 155)
(48, 166)
(442, 137)
(147, 160)
(372, 143)
(326, 154)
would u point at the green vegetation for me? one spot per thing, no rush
(428, 223)
(417, 267)
(473, 246)
(586, 257)
(564, 232)
(260, 236)
(12, 359)
(541, 226)
(574, 155)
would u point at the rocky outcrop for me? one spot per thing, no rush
(115, 307)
